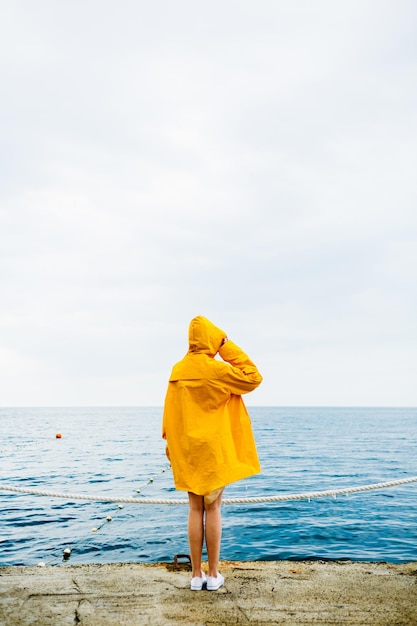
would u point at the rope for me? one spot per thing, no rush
(280, 498)
(73, 545)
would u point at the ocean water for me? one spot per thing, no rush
(116, 451)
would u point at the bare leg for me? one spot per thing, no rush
(213, 534)
(196, 531)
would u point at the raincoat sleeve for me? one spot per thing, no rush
(164, 436)
(241, 375)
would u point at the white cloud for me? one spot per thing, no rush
(249, 162)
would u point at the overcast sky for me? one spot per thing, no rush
(250, 161)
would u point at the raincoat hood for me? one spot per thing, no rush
(204, 337)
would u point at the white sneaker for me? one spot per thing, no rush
(214, 582)
(197, 582)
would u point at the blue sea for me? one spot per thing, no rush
(117, 451)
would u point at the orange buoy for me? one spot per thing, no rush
(58, 435)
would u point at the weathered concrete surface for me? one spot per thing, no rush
(260, 593)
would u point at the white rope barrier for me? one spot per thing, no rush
(252, 500)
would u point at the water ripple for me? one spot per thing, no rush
(116, 451)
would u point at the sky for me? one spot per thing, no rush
(253, 162)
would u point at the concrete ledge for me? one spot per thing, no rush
(260, 593)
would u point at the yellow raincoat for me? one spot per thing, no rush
(207, 427)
